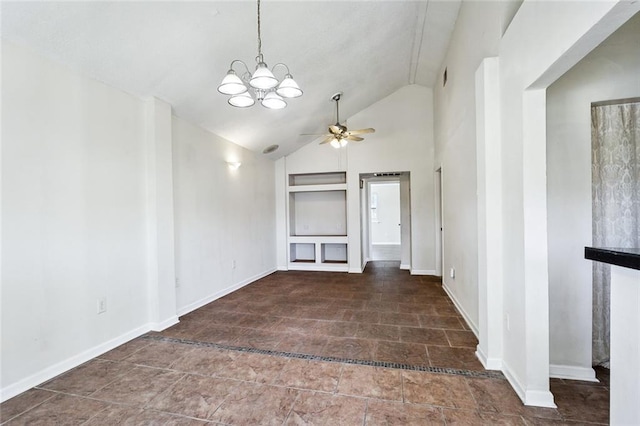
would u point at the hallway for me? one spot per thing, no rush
(383, 347)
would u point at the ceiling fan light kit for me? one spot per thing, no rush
(262, 85)
(339, 136)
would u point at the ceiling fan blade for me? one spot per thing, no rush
(335, 129)
(361, 131)
(354, 138)
(327, 139)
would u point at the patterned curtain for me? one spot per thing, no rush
(615, 156)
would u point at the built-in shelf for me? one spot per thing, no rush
(318, 213)
(302, 252)
(335, 239)
(318, 221)
(318, 188)
(306, 179)
(333, 253)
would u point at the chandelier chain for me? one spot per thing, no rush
(259, 38)
(262, 85)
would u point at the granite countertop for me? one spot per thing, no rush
(625, 257)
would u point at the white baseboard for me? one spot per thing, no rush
(535, 398)
(355, 270)
(423, 272)
(364, 264)
(322, 267)
(571, 372)
(488, 363)
(215, 296)
(69, 363)
(513, 381)
(49, 373)
(462, 311)
(159, 326)
(405, 267)
(282, 268)
(539, 399)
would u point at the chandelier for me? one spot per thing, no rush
(262, 85)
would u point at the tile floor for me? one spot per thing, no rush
(305, 349)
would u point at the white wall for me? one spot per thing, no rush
(221, 215)
(403, 142)
(529, 62)
(73, 218)
(477, 34)
(89, 178)
(611, 71)
(385, 229)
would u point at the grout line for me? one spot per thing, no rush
(292, 406)
(366, 409)
(147, 405)
(446, 335)
(30, 408)
(74, 370)
(404, 401)
(107, 406)
(339, 380)
(441, 370)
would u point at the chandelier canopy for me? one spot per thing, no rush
(262, 85)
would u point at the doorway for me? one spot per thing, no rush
(385, 217)
(384, 220)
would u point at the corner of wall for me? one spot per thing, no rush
(160, 220)
(280, 167)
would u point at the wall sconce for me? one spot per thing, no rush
(234, 165)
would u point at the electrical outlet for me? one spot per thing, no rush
(177, 282)
(233, 264)
(452, 273)
(102, 305)
(507, 321)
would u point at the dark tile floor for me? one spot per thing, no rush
(384, 314)
(244, 359)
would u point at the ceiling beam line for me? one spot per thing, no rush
(421, 21)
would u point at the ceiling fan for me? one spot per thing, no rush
(339, 135)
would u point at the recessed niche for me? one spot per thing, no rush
(333, 253)
(318, 213)
(302, 252)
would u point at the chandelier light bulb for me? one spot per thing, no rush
(273, 101)
(289, 88)
(232, 84)
(263, 78)
(243, 100)
(335, 143)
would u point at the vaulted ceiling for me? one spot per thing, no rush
(179, 51)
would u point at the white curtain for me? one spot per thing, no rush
(615, 145)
